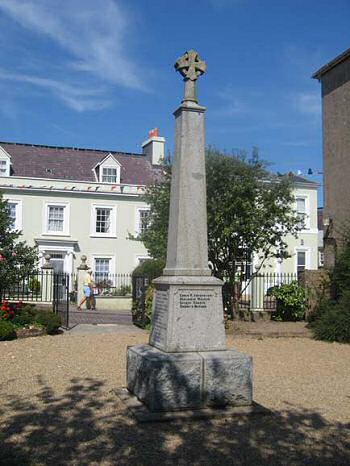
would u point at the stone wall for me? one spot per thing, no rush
(317, 285)
(336, 151)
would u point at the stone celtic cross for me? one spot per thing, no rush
(191, 67)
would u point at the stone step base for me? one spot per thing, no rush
(193, 380)
(142, 414)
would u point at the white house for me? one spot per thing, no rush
(72, 202)
(303, 250)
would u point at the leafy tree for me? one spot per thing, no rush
(17, 259)
(155, 235)
(249, 211)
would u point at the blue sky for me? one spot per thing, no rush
(99, 73)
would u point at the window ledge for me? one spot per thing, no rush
(96, 235)
(66, 235)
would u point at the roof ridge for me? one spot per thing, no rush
(82, 149)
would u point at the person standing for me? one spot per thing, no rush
(87, 290)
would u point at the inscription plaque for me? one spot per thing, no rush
(159, 317)
(194, 299)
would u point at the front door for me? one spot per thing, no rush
(57, 261)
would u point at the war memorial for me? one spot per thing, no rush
(186, 365)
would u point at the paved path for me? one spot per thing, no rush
(99, 317)
(88, 329)
(270, 329)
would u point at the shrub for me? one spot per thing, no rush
(333, 321)
(124, 290)
(140, 318)
(24, 314)
(148, 306)
(23, 319)
(291, 299)
(150, 269)
(50, 321)
(7, 330)
(34, 285)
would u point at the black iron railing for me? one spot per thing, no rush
(105, 284)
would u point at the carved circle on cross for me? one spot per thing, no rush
(190, 65)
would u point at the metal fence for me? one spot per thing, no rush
(257, 293)
(105, 284)
(35, 286)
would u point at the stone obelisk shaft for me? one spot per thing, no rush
(187, 252)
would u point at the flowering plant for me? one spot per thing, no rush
(8, 310)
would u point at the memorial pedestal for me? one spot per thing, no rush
(186, 365)
(187, 314)
(192, 380)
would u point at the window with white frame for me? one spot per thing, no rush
(301, 212)
(321, 259)
(103, 220)
(102, 269)
(3, 167)
(15, 214)
(56, 219)
(109, 175)
(12, 208)
(142, 220)
(301, 261)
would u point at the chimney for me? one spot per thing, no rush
(153, 148)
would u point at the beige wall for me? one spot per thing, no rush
(307, 239)
(79, 238)
(123, 251)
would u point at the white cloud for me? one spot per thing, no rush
(94, 37)
(308, 103)
(75, 96)
(236, 102)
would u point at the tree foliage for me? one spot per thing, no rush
(249, 211)
(17, 259)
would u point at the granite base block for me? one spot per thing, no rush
(192, 380)
(142, 414)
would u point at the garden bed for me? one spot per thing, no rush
(30, 332)
(19, 320)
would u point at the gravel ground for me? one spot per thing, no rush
(58, 407)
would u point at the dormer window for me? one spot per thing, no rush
(109, 175)
(5, 163)
(107, 170)
(4, 167)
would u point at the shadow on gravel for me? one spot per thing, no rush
(87, 425)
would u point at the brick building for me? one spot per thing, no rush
(335, 84)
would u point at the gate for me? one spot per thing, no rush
(61, 297)
(139, 286)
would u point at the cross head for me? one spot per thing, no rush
(190, 65)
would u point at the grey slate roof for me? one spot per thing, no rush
(67, 163)
(300, 179)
